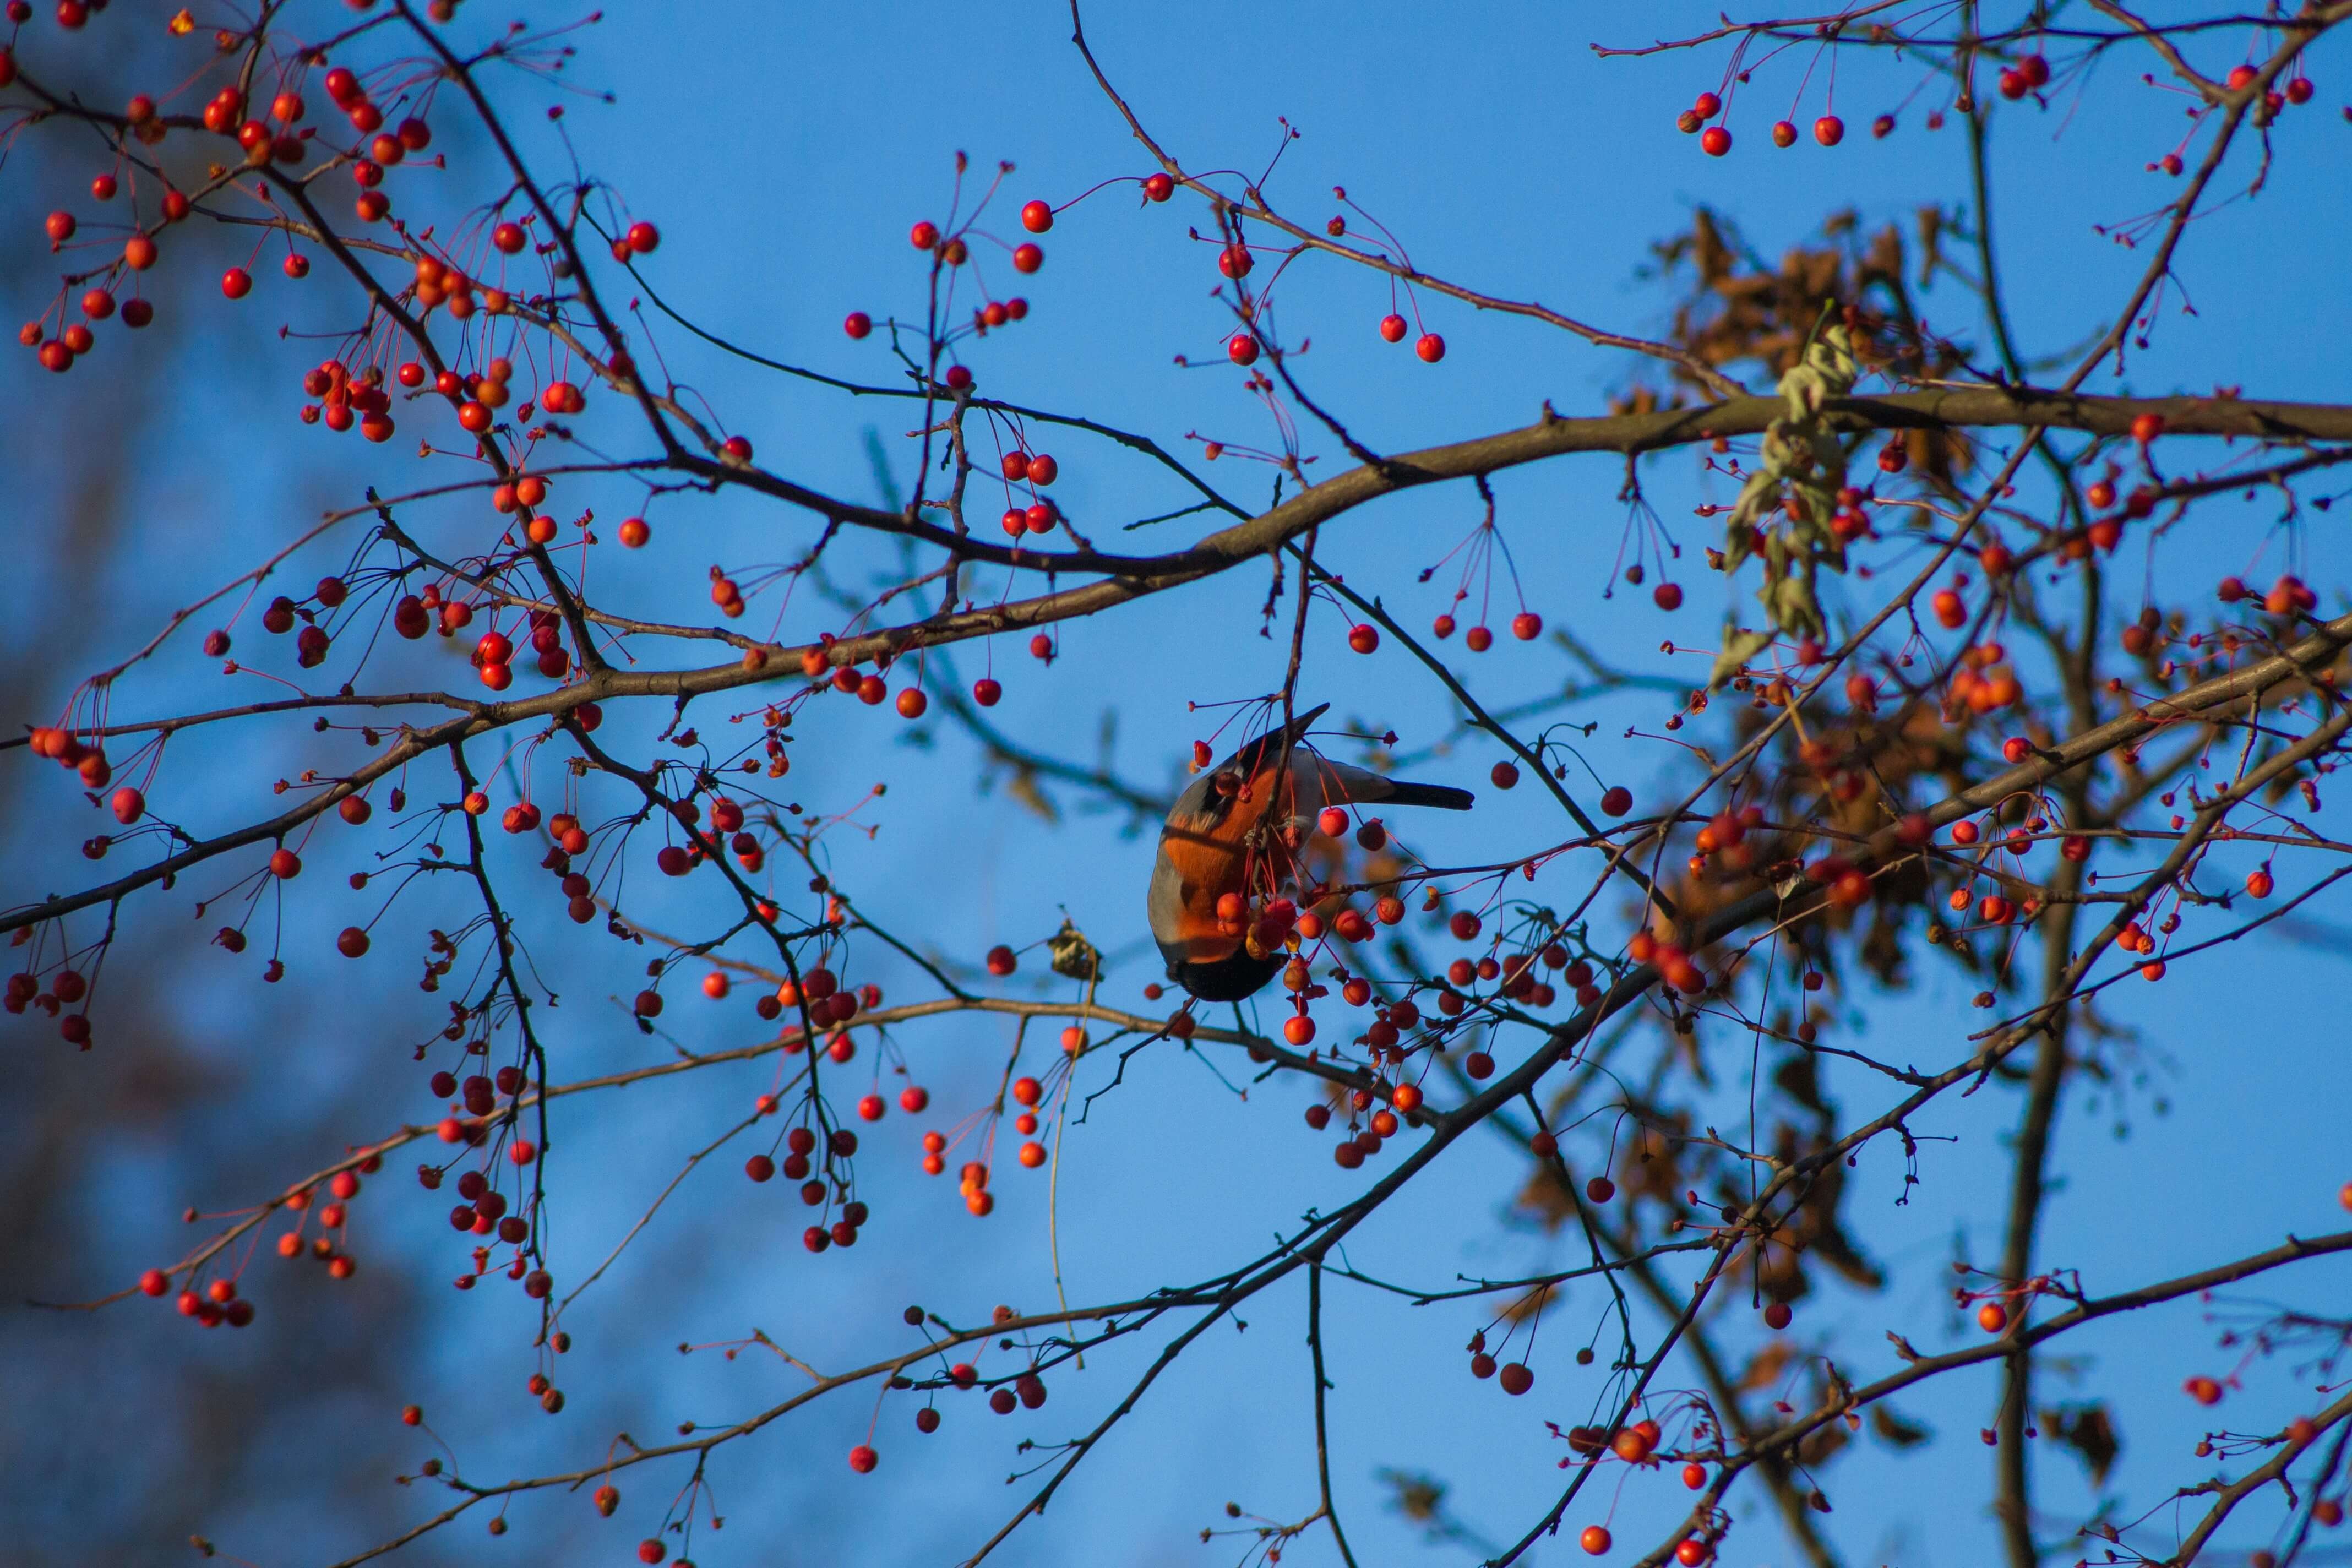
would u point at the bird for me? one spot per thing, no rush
(1224, 842)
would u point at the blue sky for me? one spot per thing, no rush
(784, 155)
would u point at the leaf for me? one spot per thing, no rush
(1799, 1077)
(1818, 1447)
(1765, 1369)
(2090, 1431)
(1804, 389)
(1527, 1309)
(1893, 1430)
(1420, 1498)
(1023, 788)
(1829, 458)
(1544, 1199)
(1739, 648)
(1073, 955)
(1793, 607)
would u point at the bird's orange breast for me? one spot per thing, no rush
(1209, 859)
(1210, 854)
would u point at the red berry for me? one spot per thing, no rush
(1706, 106)
(1235, 262)
(1431, 347)
(1242, 348)
(1392, 328)
(863, 1459)
(1715, 141)
(1043, 469)
(923, 236)
(643, 237)
(1363, 639)
(1037, 217)
(986, 692)
(1527, 625)
(1829, 131)
(236, 283)
(857, 323)
(1028, 258)
(1784, 134)
(1159, 187)
(1666, 596)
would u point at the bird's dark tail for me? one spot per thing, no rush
(1443, 796)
